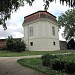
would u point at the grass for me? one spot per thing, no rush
(36, 64)
(28, 53)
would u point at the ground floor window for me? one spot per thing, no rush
(31, 43)
(54, 43)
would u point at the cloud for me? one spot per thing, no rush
(14, 25)
(5, 33)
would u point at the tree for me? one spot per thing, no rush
(67, 20)
(9, 43)
(71, 44)
(8, 6)
(15, 45)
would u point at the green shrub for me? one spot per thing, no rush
(9, 43)
(18, 46)
(58, 65)
(15, 45)
(70, 68)
(64, 63)
(48, 60)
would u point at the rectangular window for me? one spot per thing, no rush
(54, 43)
(31, 31)
(31, 43)
(53, 31)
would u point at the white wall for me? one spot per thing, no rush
(42, 35)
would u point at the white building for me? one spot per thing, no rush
(41, 31)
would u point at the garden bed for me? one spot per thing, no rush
(53, 65)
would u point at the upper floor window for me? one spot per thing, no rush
(31, 31)
(53, 31)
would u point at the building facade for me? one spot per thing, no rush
(63, 45)
(2, 43)
(41, 32)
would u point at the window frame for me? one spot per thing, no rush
(54, 43)
(30, 31)
(53, 30)
(31, 43)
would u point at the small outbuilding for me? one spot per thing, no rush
(63, 45)
(2, 43)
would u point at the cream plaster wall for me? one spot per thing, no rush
(42, 35)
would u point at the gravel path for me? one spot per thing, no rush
(9, 66)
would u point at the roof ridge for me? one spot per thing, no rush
(40, 11)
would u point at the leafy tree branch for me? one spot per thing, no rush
(7, 6)
(67, 20)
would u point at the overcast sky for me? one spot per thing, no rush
(14, 25)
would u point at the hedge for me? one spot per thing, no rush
(64, 63)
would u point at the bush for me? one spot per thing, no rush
(15, 45)
(9, 43)
(47, 60)
(70, 68)
(64, 63)
(58, 65)
(18, 46)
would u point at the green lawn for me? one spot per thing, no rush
(27, 53)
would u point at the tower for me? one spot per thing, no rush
(41, 31)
